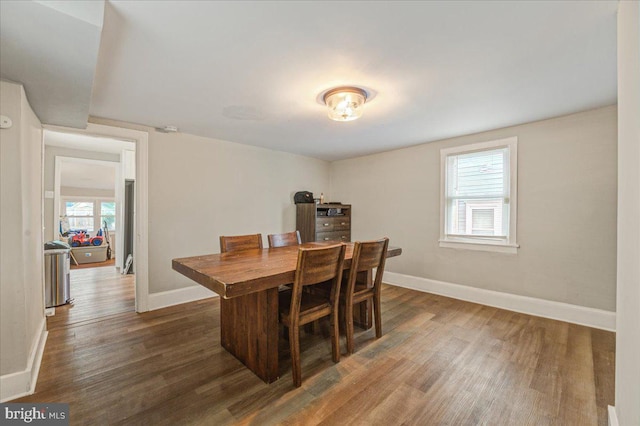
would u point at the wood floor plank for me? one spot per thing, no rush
(440, 361)
(604, 359)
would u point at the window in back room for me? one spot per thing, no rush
(89, 214)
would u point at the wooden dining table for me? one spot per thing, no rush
(247, 282)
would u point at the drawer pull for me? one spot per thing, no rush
(343, 223)
(326, 238)
(325, 224)
(343, 238)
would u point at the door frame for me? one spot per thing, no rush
(141, 211)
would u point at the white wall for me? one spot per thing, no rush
(50, 153)
(21, 260)
(201, 188)
(628, 320)
(31, 197)
(566, 211)
(70, 191)
(13, 348)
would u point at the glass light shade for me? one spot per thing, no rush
(345, 103)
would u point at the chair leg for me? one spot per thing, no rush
(348, 326)
(378, 315)
(335, 337)
(294, 345)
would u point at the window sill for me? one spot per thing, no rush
(480, 246)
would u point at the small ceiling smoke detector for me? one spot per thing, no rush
(167, 129)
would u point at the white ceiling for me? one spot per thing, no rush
(51, 47)
(251, 72)
(85, 142)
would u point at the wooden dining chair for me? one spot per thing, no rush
(297, 308)
(284, 240)
(240, 242)
(366, 256)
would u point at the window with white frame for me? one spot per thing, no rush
(89, 213)
(478, 196)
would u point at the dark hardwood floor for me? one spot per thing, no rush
(440, 362)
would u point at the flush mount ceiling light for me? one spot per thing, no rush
(345, 103)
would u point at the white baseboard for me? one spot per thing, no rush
(591, 317)
(613, 416)
(178, 296)
(22, 383)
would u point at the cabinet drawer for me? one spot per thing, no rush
(333, 236)
(324, 224)
(333, 223)
(341, 223)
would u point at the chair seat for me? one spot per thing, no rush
(360, 293)
(311, 307)
(322, 289)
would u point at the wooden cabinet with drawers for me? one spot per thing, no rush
(324, 222)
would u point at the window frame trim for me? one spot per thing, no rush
(509, 245)
(97, 205)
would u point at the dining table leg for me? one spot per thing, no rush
(249, 331)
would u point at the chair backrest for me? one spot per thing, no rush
(240, 242)
(286, 239)
(317, 265)
(368, 255)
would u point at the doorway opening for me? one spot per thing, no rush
(95, 183)
(87, 204)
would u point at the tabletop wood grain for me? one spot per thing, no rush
(240, 273)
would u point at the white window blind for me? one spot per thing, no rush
(89, 214)
(478, 193)
(80, 214)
